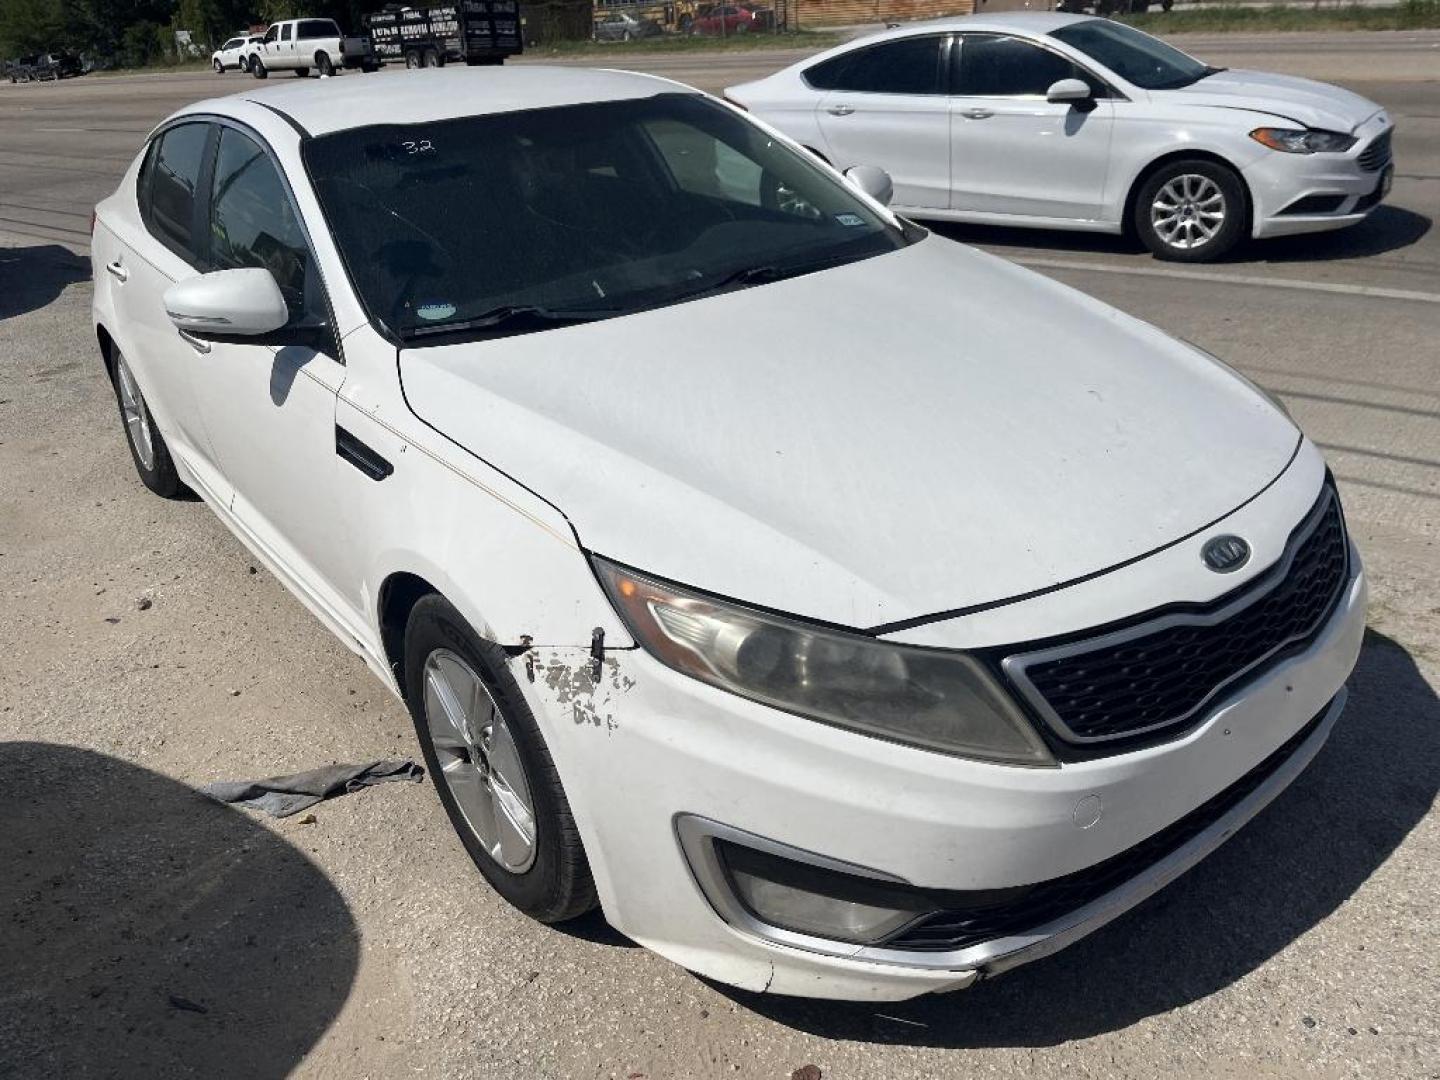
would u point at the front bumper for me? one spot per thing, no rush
(655, 745)
(1348, 186)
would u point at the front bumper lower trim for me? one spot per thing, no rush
(696, 836)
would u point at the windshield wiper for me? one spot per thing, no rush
(761, 275)
(514, 318)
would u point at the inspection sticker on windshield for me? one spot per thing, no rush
(850, 219)
(435, 309)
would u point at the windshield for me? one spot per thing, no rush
(1137, 58)
(516, 222)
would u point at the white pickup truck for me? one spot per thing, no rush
(298, 45)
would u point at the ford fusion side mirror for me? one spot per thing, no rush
(873, 181)
(242, 306)
(1070, 92)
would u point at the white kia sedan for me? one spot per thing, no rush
(843, 611)
(1072, 122)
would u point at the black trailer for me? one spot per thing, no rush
(472, 31)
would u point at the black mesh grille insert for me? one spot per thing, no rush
(1145, 682)
(1036, 905)
(1377, 154)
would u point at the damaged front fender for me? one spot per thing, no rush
(586, 686)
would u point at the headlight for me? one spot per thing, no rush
(1303, 140)
(942, 701)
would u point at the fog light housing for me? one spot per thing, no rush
(776, 891)
(805, 912)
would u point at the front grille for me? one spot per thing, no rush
(1377, 155)
(1035, 906)
(1157, 675)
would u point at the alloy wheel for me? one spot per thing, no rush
(479, 761)
(1188, 211)
(135, 414)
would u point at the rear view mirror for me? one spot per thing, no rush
(1069, 92)
(873, 181)
(244, 303)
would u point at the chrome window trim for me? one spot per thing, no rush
(1000, 954)
(1016, 666)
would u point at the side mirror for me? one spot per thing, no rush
(1069, 92)
(244, 304)
(873, 181)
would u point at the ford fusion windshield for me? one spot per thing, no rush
(516, 222)
(1138, 58)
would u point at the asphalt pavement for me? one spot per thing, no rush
(142, 654)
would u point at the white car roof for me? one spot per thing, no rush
(322, 106)
(1003, 22)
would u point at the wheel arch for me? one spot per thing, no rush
(1127, 213)
(395, 600)
(107, 348)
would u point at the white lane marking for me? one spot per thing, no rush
(1227, 279)
(69, 129)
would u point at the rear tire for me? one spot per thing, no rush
(147, 446)
(323, 66)
(1191, 210)
(412, 60)
(302, 73)
(495, 758)
(431, 59)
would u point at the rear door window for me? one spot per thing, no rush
(909, 66)
(169, 186)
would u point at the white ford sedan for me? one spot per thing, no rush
(844, 611)
(1072, 122)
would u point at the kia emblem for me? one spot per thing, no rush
(1225, 554)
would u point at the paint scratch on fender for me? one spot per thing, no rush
(570, 676)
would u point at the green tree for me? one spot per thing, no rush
(28, 26)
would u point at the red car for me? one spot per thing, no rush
(725, 19)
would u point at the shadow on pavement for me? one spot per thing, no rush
(1285, 872)
(31, 277)
(146, 931)
(1389, 228)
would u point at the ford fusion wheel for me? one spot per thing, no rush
(147, 447)
(491, 767)
(1191, 211)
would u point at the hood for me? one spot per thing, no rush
(927, 429)
(1313, 104)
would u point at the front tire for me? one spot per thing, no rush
(258, 69)
(147, 446)
(219, 68)
(491, 767)
(1192, 210)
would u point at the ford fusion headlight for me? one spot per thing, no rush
(1303, 140)
(938, 700)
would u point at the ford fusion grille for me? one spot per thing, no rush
(1157, 676)
(1377, 154)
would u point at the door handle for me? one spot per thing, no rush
(194, 342)
(978, 114)
(117, 270)
(840, 110)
